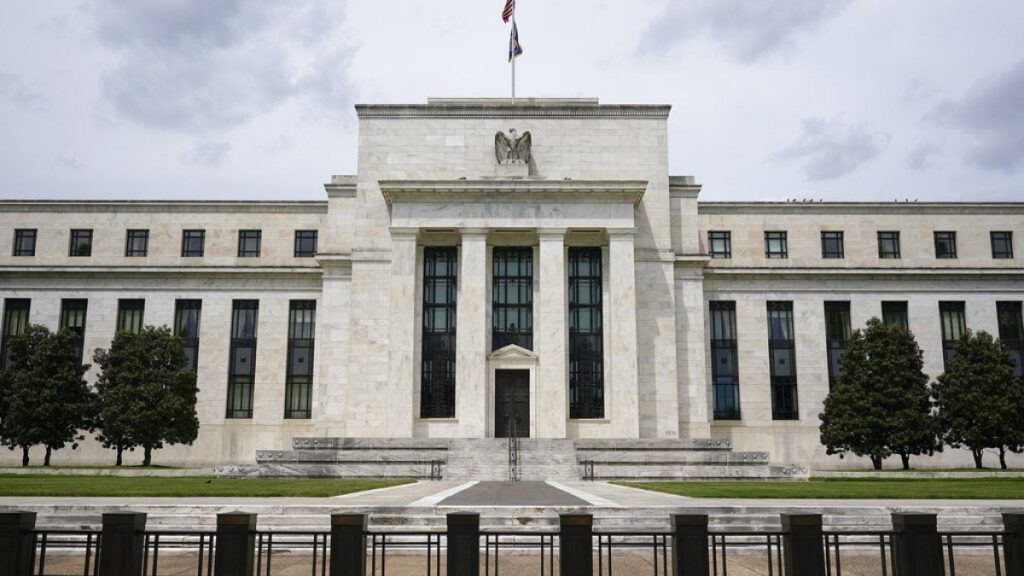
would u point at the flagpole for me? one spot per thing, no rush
(514, 58)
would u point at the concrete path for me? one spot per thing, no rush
(513, 494)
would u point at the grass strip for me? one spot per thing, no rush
(849, 488)
(198, 486)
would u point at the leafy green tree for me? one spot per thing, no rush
(880, 404)
(147, 392)
(980, 403)
(46, 398)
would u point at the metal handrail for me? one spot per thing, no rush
(513, 450)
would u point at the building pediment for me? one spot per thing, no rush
(512, 352)
(512, 191)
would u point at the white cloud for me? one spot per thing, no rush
(828, 150)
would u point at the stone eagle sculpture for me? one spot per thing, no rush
(512, 149)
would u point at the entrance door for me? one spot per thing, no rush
(512, 403)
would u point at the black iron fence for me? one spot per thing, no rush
(124, 547)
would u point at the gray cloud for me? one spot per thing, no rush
(829, 150)
(14, 89)
(68, 162)
(198, 66)
(212, 154)
(922, 157)
(747, 29)
(992, 115)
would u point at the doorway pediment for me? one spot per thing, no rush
(513, 352)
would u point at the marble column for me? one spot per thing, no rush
(691, 340)
(549, 334)
(471, 336)
(398, 405)
(331, 387)
(621, 390)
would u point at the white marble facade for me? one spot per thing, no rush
(428, 176)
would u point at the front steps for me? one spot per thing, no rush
(539, 459)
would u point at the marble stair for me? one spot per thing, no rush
(664, 459)
(351, 458)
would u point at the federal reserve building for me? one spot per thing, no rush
(527, 269)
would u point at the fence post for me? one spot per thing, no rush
(235, 544)
(463, 544)
(690, 545)
(576, 544)
(17, 546)
(348, 544)
(1013, 543)
(121, 544)
(917, 548)
(804, 544)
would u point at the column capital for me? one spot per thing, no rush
(551, 233)
(620, 232)
(473, 233)
(402, 233)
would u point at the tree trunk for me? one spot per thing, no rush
(906, 461)
(120, 449)
(24, 455)
(148, 456)
(1002, 457)
(46, 460)
(876, 462)
(977, 458)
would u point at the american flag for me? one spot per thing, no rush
(510, 8)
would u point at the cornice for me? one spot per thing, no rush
(341, 186)
(504, 109)
(908, 208)
(164, 206)
(933, 274)
(512, 191)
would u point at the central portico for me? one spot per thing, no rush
(524, 275)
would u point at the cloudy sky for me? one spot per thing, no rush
(832, 99)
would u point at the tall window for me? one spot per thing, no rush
(894, 313)
(249, 243)
(782, 353)
(25, 242)
(512, 303)
(186, 326)
(299, 381)
(15, 320)
(72, 317)
(437, 375)
(954, 324)
(192, 243)
(1002, 244)
(1011, 333)
(305, 243)
(776, 245)
(81, 243)
(725, 371)
(831, 244)
(129, 315)
(837, 336)
(586, 345)
(888, 245)
(720, 244)
(945, 244)
(242, 370)
(136, 243)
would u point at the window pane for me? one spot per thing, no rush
(437, 380)
(586, 346)
(895, 313)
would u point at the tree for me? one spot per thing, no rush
(46, 398)
(147, 392)
(980, 403)
(880, 404)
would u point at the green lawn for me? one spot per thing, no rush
(961, 488)
(47, 485)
